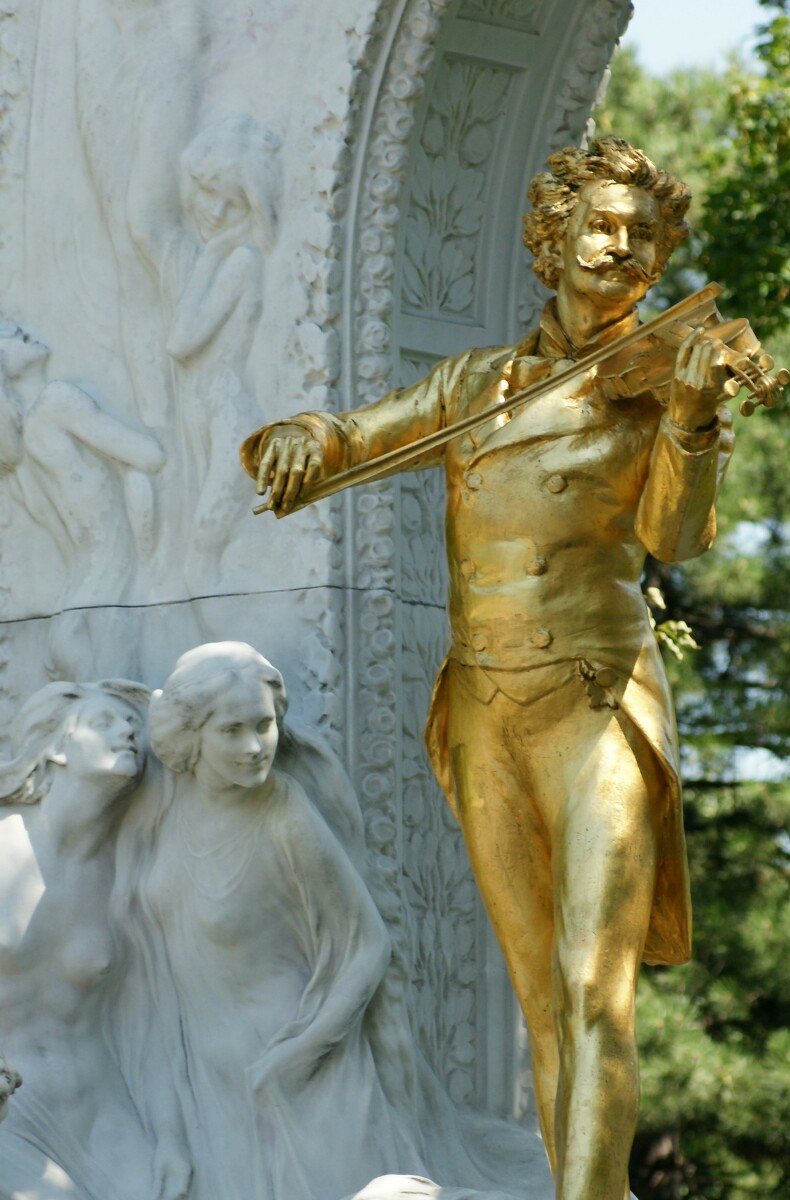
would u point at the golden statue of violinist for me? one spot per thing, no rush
(568, 457)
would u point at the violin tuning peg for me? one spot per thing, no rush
(783, 377)
(731, 388)
(747, 407)
(766, 363)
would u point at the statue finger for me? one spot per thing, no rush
(295, 478)
(280, 479)
(265, 466)
(695, 371)
(684, 353)
(314, 463)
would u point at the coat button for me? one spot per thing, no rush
(478, 641)
(541, 638)
(467, 568)
(606, 677)
(473, 480)
(556, 483)
(538, 566)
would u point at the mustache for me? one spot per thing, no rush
(602, 260)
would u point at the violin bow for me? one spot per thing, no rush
(699, 305)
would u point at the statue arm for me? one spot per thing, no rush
(290, 456)
(676, 518)
(209, 300)
(346, 940)
(65, 409)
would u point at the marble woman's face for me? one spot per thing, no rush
(216, 206)
(239, 740)
(105, 739)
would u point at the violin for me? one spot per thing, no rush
(747, 364)
(742, 354)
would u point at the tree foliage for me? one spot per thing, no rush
(715, 1034)
(747, 206)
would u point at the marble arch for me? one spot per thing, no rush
(466, 99)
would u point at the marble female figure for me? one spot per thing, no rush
(81, 473)
(261, 915)
(78, 757)
(228, 188)
(208, 258)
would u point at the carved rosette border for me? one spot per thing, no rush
(374, 564)
(319, 267)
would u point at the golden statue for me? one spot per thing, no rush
(551, 728)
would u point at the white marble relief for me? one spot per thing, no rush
(229, 185)
(261, 916)
(189, 205)
(195, 977)
(123, 92)
(78, 756)
(10, 1080)
(209, 261)
(83, 475)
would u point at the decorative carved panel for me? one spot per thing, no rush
(529, 15)
(448, 184)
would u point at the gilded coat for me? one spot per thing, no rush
(549, 518)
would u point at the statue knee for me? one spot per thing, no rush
(594, 1000)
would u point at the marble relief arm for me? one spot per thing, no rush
(346, 940)
(210, 298)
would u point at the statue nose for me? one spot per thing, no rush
(620, 244)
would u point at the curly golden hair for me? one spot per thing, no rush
(553, 195)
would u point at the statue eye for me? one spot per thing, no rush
(101, 721)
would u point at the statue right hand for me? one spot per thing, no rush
(290, 462)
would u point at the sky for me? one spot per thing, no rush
(691, 33)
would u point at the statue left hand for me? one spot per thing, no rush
(697, 388)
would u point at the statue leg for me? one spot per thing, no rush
(600, 792)
(509, 850)
(560, 806)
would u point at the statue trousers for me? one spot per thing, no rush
(558, 796)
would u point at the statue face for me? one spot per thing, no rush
(609, 252)
(217, 207)
(239, 740)
(105, 740)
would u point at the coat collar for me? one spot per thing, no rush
(550, 340)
